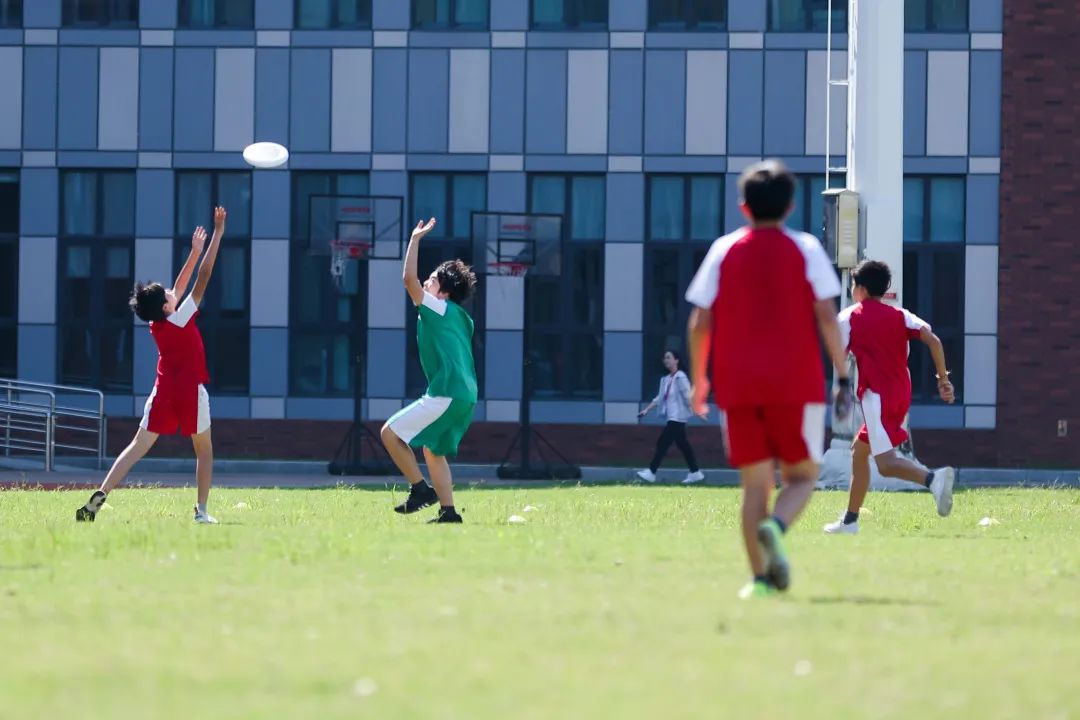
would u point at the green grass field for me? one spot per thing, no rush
(608, 602)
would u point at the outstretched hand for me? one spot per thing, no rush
(198, 239)
(219, 219)
(423, 228)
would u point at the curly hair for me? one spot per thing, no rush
(873, 275)
(456, 279)
(148, 301)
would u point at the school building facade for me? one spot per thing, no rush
(123, 122)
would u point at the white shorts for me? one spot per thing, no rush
(883, 423)
(413, 419)
(170, 409)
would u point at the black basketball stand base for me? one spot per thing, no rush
(351, 458)
(530, 469)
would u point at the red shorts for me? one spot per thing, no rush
(170, 407)
(883, 423)
(788, 433)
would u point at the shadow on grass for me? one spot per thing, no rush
(400, 484)
(870, 600)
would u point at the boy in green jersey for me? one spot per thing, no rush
(438, 420)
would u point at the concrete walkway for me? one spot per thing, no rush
(293, 474)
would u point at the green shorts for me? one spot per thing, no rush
(435, 423)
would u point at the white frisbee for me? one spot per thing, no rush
(266, 155)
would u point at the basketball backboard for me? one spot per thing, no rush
(362, 226)
(517, 244)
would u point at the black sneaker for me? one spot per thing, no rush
(421, 495)
(445, 516)
(89, 511)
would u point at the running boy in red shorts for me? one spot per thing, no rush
(761, 296)
(879, 336)
(178, 401)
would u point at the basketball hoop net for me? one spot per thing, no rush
(342, 251)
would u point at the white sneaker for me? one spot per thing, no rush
(941, 485)
(647, 475)
(839, 528)
(204, 518)
(694, 477)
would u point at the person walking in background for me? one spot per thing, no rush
(674, 403)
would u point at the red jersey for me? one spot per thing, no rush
(181, 355)
(879, 337)
(761, 286)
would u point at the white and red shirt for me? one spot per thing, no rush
(879, 337)
(181, 355)
(761, 286)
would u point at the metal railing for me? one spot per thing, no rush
(32, 420)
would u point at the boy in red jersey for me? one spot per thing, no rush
(178, 399)
(761, 296)
(879, 336)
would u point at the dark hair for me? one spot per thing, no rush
(873, 275)
(767, 188)
(674, 354)
(456, 279)
(148, 301)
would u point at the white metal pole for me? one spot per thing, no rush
(875, 159)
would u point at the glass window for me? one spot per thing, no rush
(666, 208)
(567, 312)
(79, 203)
(96, 13)
(947, 208)
(9, 202)
(685, 207)
(96, 259)
(325, 14)
(11, 13)
(706, 201)
(565, 14)
(687, 14)
(450, 14)
(587, 215)
(225, 313)
(685, 214)
(200, 14)
(935, 15)
(668, 271)
(808, 213)
(806, 15)
(451, 198)
(934, 229)
(328, 326)
(9, 272)
(914, 210)
(118, 203)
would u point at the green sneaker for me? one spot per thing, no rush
(756, 589)
(771, 539)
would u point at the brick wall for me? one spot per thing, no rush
(1039, 320)
(620, 445)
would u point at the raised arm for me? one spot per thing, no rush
(198, 241)
(409, 274)
(937, 351)
(206, 268)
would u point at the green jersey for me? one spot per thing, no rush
(444, 338)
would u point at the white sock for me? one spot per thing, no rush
(201, 507)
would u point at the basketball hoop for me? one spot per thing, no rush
(508, 269)
(341, 251)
